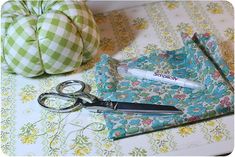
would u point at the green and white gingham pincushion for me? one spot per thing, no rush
(47, 36)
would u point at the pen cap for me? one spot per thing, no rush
(123, 70)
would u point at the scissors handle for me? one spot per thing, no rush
(60, 87)
(45, 96)
(79, 93)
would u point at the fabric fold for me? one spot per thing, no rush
(188, 62)
(210, 47)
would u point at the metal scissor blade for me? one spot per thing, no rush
(146, 108)
(133, 107)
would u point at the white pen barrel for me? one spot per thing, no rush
(142, 74)
(154, 76)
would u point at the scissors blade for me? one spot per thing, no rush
(133, 107)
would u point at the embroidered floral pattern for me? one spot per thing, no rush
(185, 27)
(8, 122)
(186, 130)
(140, 23)
(201, 22)
(150, 47)
(81, 146)
(130, 51)
(28, 133)
(28, 93)
(215, 131)
(229, 7)
(138, 152)
(162, 142)
(171, 5)
(51, 121)
(105, 146)
(214, 8)
(167, 37)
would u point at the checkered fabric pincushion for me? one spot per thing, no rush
(47, 36)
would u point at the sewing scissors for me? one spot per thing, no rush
(80, 99)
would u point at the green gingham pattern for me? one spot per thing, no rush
(47, 36)
(82, 19)
(58, 41)
(20, 54)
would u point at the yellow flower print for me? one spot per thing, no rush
(211, 123)
(4, 126)
(82, 145)
(6, 103)
(159, 134)
(30, 139)
(28, 93)
(48, 84)
(165, 34)
(185, 27)
(5, 92)
(217, 131)
(51, 129)
(185, 131)
(4, 138)
(229, 33)
(164, 149)
(140, 23)
(138, 152)
(81, 151)
(150, 47)
(4, 112)
(26, 98)
(104, 132)
(128, 49)
(171, 5)
(217, 138)
(51, 117)
(28, 134)
(107, 145)
(214, 8)
(107, 45)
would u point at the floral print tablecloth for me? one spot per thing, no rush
(27, 129)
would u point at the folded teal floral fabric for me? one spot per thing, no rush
(187, 62)
(208, 44)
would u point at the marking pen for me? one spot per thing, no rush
(142, 74)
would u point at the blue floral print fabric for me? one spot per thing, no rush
(187, 62)
(208, 43)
